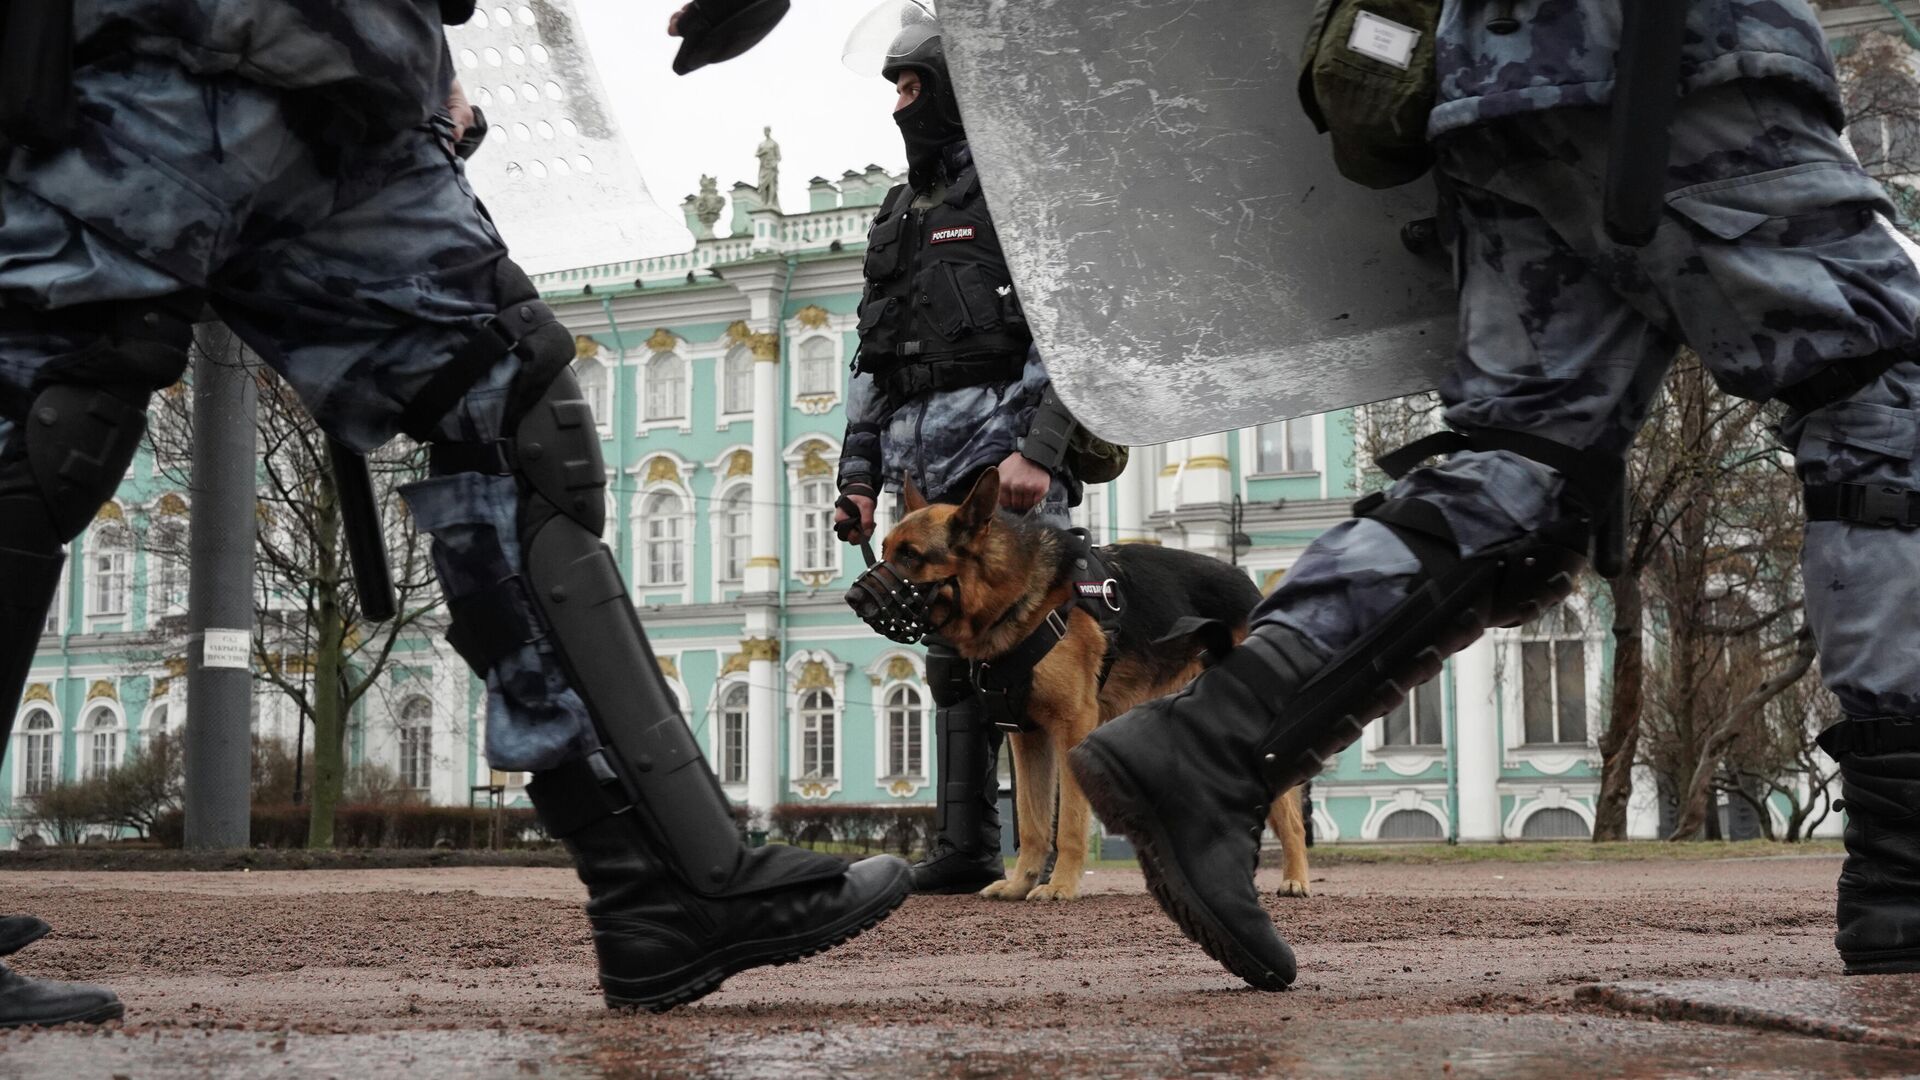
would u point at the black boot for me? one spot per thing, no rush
(1879, 898)
(1181, 777)
(44, 1002)
(966, 847)
(666, 934)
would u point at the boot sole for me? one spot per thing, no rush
(99, 1015)
(1901, 962)
(1118, 803)
(685, 986)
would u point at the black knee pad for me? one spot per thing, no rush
(949, 677)
(523, 326)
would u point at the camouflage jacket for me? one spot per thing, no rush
(1562, 55)
(382, 59)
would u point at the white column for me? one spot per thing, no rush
(1477, 752)
(1129, 509)
(762, 646)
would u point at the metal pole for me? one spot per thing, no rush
(220, 597)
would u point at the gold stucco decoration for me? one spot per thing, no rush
(1272, 580)
(734, 663)
(668, 666)
(812, 460)
(586, 348)
(663, 340)
(662, 469)
(102, 688)
(814, 676)
(813, 316)
(900, 668)
(172, 505)
(160, 688)
(111, 512)
(740, 463)
(765, 346)
(38, 692)
(738, 332)
(760, 648)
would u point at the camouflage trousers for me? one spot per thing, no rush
(1775, 258)
(354, 274)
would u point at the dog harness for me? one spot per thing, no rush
(1005, 683)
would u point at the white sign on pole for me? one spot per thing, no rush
(227, 649)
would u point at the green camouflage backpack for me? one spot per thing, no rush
(1368, 79)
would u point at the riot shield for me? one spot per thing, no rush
(1186, 254)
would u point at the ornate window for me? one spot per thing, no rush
(1553, 678)
(416, 743)
(1285, 447)
(58, 609)
(1411, 825)
(736, 381)
(167, 570)
(906, 727)
(1415, 721)
(37, 762)
(108, 570)
(736, 533)
(666, 387)
(819, 548)
(664, 540)
(818, 373)
(817, 715)
(1555, 823)
(733, 734)
(103, 741)
(596, 385)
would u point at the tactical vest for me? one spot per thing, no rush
(939, 310)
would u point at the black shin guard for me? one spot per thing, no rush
(968, 813)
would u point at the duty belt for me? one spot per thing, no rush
(910, 379)
(1864, 504)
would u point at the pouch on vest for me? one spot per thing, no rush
(1093, 459)
(1368, 79)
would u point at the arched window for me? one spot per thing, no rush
(36, 761)
(906, 732)
(666, 387)
(819, 550)
(416, 743)
(107, 570)
(596, 385)
(665, 539)
(1415, 721)
(817, 374)
(733, 734)
(1553, 678)
(816, 735)
(167, 570)
(1410, 825)
(736, 533)
(1555, 823)
(103, 741)
(736, 378)
(158, 718)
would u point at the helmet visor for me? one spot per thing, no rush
(888, 33)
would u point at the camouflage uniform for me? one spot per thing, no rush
(353, 268)
(1776, 259)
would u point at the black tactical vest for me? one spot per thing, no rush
(939, 310)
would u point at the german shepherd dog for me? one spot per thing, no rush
(1002, 575)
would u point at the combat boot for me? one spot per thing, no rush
(965, 855)
(25, 1001)
(1878, 909)
(1181, 776)
(676, 906)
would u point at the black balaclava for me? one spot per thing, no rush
(929, 125)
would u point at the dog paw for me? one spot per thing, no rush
(1054, 892)
(1012, 888)
(1294, 888)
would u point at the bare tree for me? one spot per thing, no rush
(311, 642)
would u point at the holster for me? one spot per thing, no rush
(38, 106)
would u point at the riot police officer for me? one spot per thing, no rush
(291, 165)
(946, 385)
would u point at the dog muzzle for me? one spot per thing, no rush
(899, 609)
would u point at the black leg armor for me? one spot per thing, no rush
(677, 901)
(966, 847)
(76, 435)
(1878, 914)
(1189, 778)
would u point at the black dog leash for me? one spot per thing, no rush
(845, 529)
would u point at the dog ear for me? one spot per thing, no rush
(913, 500)
(981, 502)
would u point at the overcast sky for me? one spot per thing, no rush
(825, 118)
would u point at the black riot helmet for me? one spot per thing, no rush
(903, 35)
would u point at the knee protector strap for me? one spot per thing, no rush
(525, 327)
(949, 676)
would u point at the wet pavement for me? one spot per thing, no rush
(1460, 1045)
(1883, 1010)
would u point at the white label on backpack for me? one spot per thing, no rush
(1383, 39)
